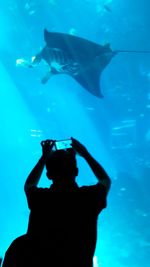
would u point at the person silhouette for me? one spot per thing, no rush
(62, 229)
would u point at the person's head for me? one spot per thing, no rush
(62, 166)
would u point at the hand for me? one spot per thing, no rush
(47, 146)
(78, 147)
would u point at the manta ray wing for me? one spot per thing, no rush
(91, 58)
(90, 81)
(89, 75)
(72, 44)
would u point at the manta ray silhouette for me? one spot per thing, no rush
(82, 59)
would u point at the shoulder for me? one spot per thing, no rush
(96, 195)
(36, 195)
(36, 192)
(99, 188)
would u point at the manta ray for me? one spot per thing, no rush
(82, 59)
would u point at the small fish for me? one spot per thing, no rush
(107, 8)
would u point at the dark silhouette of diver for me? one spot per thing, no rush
(62, 229)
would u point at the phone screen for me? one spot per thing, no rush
(63, 144)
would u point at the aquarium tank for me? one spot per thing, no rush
(70, 90)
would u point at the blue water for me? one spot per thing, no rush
(115, 129)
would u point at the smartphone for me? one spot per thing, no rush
(63, 144)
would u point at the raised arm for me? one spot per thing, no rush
(97, 169)
(35, 174)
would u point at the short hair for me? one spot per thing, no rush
(62, 163)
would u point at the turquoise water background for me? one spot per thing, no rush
(115, 129)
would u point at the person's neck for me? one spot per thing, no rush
(64, 183)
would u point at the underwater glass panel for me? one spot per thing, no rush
(115, 128)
